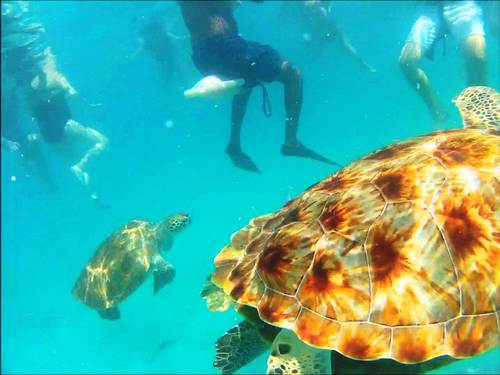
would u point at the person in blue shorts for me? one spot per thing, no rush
(217, 49)
(464, 21)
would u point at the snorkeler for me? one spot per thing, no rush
(219, 50)
(463, 20)
(322, 28)
(31, 65)
(155, 37)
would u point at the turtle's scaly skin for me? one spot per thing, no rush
(119, 267)
(396, 256)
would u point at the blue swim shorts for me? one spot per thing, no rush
(460, 18)
(231, 57)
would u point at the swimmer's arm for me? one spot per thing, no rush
(349, 48)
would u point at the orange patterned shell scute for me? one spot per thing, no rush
(278, 309)
(314, 329)
(364, 340)
(404, 246)
(469, 335)
(337, 285)
(395, 256)
(286, 256)
(418, 344)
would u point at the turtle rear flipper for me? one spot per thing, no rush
(112, 313)
(289, 356)
(238, 347)
(163, 273)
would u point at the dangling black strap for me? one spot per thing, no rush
(444, 27)
(266, 103)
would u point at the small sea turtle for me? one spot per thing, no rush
(125, 259)
(391, 264)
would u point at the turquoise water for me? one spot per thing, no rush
(166, 155)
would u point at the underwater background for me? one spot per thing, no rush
(166, 155)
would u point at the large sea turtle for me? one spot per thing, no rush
(391, 264)
(124, 260)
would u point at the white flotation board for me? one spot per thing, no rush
(212, 87)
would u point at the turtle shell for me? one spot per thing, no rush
(396, 256)
(119, 266)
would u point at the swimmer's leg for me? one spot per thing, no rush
(233, 149)
(74, 131)
(474, 48)
(292, 80)
(409, 60)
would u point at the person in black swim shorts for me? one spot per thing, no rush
(30, 72)
(219, 50)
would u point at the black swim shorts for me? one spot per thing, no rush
(51, 116)
(231, 57)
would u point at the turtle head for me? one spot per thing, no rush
(177, 222)
(169, 227)
(479, 107)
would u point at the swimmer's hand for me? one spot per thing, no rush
(10, 146)
(98, 201)
(371, 69)
(368, 67)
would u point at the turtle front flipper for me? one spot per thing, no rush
(163, 273)
(238, 347)
(215, 297)
(112, 313)
(290, 356)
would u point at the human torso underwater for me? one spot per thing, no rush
(208, 18)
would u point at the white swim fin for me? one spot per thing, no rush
(213, 87)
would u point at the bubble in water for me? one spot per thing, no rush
(168, 124)
(306, 37)
(13, 178)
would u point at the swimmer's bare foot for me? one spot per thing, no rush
(302, 151)
(241, 160)
(82, 176)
